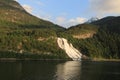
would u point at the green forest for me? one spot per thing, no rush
(23, 35)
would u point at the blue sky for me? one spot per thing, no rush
(71, 12)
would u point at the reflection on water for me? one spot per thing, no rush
(68, 71)
(59, 70)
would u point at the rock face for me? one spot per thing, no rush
(84, 36)
(69, 49)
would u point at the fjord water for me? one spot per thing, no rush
(59, 70)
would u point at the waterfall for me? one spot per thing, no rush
(69, 49)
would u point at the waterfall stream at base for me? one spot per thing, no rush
(69, 49)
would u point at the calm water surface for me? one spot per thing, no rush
(59, 70)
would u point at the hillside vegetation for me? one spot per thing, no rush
(23, 35)
(83, 31)
(13, 16)
(104, 43)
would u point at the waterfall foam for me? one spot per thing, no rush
(69, 49)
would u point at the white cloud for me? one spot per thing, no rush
(105, 6)
(27, 8)
(69, 22)
(60, 20)
(75, 21)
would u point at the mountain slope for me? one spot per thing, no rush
(83, 31)
(110, 23)
(23, 35)
(104, 43)
(13, 16)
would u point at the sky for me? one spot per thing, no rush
(71, 12)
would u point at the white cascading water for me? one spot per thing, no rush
(69, 49)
